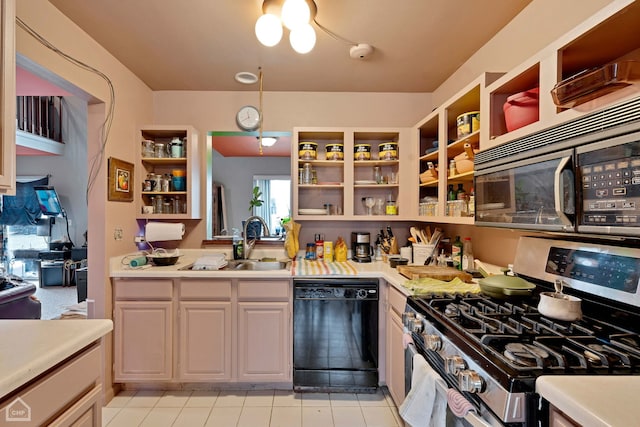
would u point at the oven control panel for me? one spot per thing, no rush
(599, 268)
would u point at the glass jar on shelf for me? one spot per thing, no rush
(156, 202)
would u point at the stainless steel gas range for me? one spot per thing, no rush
(492, 351)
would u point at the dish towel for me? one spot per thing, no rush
(458, 404)
(305, 267)
(424, 405)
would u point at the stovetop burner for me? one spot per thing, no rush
(521, 341)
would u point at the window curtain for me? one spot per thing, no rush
(23, 208)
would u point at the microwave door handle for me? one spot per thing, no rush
(558, 190)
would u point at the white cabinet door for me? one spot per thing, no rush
(264, 341)
(395, 357)
(205, 341)
(143, 335)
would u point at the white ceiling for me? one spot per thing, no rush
(202, 44)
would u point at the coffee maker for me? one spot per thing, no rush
(361, 246)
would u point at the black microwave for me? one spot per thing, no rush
(582, 176)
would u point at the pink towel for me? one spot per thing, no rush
(458, 404)
(406, 340)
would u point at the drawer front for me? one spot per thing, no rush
(54, 391)
(205, 289)
(397, 300)
(87, 412)
(264, 290)
(160, 289)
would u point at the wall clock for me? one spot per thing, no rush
(248, 118)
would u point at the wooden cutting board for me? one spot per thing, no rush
(432, 271)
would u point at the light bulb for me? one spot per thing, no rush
(269, 29)
(295, 13)
(268, 141)
(303, 39)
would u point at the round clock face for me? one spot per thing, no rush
(248, 118)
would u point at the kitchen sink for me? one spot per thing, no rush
(254, 264)
(250, 264)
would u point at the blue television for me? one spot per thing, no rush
(49, 201)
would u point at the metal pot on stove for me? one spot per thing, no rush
(560, 306)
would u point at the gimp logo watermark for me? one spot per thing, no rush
(18, 411)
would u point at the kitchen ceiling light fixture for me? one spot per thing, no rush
(246, 78)
(269, 141)
(297, 16)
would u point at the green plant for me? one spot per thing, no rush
(255, 198)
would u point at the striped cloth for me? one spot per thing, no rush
(304, 267)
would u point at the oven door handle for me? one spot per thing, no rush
(472, 417)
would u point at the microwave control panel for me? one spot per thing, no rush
(611, 193)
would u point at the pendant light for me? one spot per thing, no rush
(295, 15)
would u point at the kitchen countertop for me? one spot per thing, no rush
(589, 400)
(30, 347)
(118, 269)
(595, 400)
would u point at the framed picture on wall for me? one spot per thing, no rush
(120, 180)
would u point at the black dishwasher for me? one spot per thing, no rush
(335, 335)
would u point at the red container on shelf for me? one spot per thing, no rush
(521, 109)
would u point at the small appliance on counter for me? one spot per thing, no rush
(361, 246)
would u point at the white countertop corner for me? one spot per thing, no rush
(594, 400)
(30, 347)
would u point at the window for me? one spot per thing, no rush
(276, 194)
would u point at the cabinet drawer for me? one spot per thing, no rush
(87, 412)
(205, 289)
(55, 391)
(145, 289)
(397, 300)
(264, 290)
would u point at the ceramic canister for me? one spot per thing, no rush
(334, 151)
(307, 150)
(362, 152)
(388, 151)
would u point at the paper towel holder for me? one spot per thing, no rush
(156, 231)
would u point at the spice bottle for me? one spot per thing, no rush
(319, 246)
(467, 255)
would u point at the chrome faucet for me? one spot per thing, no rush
(247, 245)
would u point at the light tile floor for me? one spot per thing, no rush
(255, 408)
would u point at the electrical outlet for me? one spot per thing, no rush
(117, 234)
(138, 239)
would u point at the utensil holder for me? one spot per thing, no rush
(421, 252)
